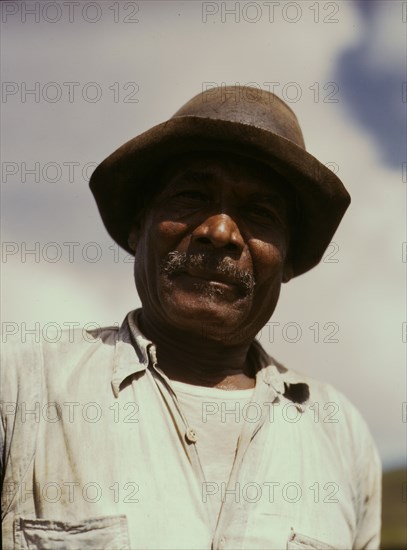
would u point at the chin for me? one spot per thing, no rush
(214, 318)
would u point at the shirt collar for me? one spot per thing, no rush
(131, 352)
(134, 352)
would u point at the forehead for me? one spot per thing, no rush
(220, 169)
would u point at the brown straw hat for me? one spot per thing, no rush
(243, 120)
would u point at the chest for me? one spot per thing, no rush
(134, 456)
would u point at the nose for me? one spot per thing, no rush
(220, 231)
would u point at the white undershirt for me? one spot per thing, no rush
(217, 417)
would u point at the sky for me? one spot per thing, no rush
(78, 81)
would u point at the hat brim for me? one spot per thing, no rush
(124, 174)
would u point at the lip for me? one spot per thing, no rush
(218, 282)
(211, 277)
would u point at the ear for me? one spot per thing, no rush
(287, 273)
(133, 239)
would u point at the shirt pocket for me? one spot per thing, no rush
(297, 541)
(109, 532)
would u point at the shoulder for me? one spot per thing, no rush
(337, 424)
(330, 413)
(331, 402)
(342, 423)
(26, 359)
(319, 394)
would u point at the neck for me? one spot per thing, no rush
(194, 359)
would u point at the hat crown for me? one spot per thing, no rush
(245, 105)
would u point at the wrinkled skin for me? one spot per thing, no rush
(210, 258)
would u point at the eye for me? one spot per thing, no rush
(265, 214)
(261, 210)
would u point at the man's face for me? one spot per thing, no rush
(210, 255)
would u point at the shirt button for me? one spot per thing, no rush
(222, 543)
(191, 435)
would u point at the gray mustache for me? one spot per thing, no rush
(178, 262)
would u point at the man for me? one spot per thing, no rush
(177, 430)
